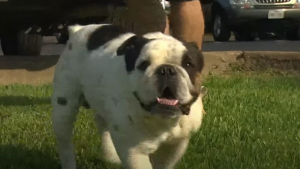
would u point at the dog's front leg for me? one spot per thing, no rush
(65, 103)
(168, 154)
(108, 151)
(130, 155)
(133, 160)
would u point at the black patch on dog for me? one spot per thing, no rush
(192, 61)
(143, 65)
(102, 35)
(62, 101)
(132, 48)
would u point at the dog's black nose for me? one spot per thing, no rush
(166, 70)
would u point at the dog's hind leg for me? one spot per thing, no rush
(108, 151)
(65, 102)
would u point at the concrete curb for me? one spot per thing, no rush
(222, 62)
(39, 70)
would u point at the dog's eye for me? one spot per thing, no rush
(189, 64)
(143, 65)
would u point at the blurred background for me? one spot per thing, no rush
(26, 25)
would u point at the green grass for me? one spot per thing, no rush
(251, 123)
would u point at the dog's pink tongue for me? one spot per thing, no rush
(171, 102)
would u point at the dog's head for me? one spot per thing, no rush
(164, 72)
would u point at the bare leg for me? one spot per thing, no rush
(186, 21)
(140, 17)
(145, 16)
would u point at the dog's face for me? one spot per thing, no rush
(164, 73)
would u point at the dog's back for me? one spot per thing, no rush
(87, 44)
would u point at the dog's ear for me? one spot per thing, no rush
(193, 51)
(134, 43)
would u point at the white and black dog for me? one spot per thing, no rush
(146, 92)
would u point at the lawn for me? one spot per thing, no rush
(251, 122)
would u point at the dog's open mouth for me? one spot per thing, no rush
(167, 98)
(167, 101)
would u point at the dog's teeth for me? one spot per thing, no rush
(169, 102)
(175, 102)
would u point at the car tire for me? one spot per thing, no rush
(220, 29)
(22, 44)
(244, 36)
(30, 44)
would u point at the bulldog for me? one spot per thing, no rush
(145, 90)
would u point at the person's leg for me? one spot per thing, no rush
(186, 21)
(145, 16)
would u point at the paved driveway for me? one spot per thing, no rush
(52, 48)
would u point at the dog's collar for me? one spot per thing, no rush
(185, 108)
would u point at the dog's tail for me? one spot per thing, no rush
(73, 29)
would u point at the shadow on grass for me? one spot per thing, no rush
(18, 157)
(23, 101)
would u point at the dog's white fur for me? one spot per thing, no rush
(130, 136)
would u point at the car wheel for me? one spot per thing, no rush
(293, 34)
(244, 36)
(22, 44)
(220, 29)
(30, 44)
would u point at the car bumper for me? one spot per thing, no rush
(27, 13)
(237, 13)
(257, 19)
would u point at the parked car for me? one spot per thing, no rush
(25, 22)
(248, 18)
